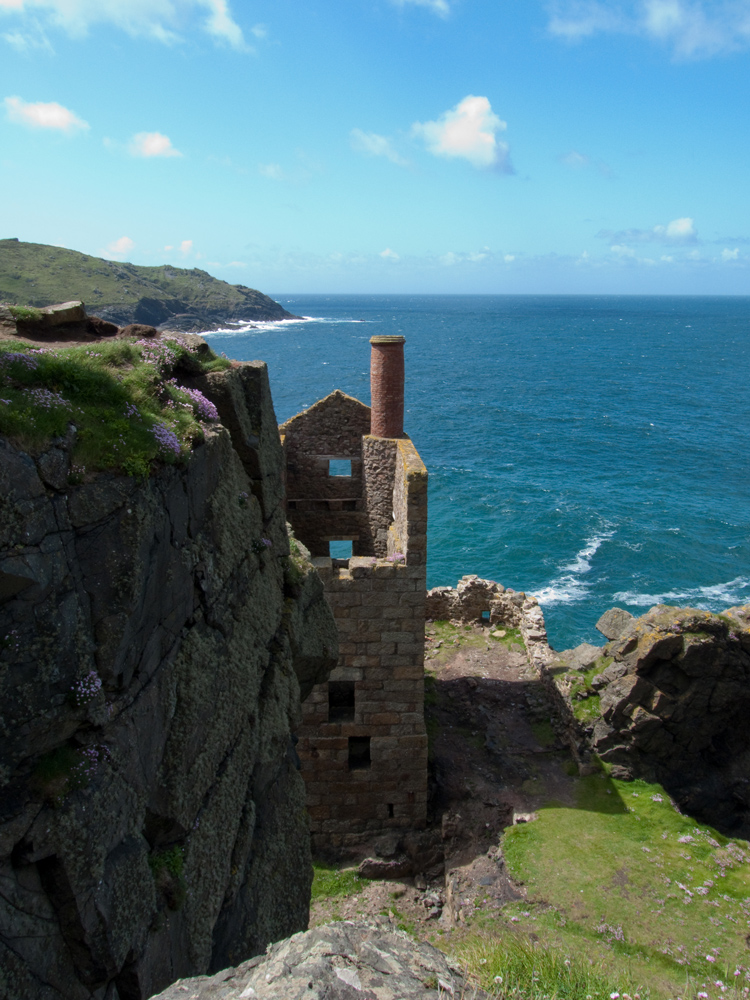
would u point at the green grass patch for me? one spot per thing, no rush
(513, 966)
(624, 877)
(25, 314)
(469, 636)
(544, 733)
(167, 869)
(121, 398)
(330, 881)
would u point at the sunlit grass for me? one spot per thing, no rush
(117, 403)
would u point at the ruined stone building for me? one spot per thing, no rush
(353, 476)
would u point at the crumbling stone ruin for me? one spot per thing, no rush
(155, 639)
(363, 744)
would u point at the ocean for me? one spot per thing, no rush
(589, 450)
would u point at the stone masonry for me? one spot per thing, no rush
(363, 744)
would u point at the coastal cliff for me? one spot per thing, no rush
(157, 636)
(174, 298)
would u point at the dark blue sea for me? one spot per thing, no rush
(590, 450)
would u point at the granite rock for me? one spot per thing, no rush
(341, 961)
(152, 818)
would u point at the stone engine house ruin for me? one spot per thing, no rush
(353, 476)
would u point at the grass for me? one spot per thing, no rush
(121, 397)
(625, 879)
(330, 881)
(32, 274)
(584, 700)
(515, 967)
(466, 637)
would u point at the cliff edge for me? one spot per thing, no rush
(156, 638)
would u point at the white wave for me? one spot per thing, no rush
(570, 587)
(262, 326)
(706, 598)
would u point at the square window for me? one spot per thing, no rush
(340, 467)
(340, 549)
(359, 752)
(341, 701)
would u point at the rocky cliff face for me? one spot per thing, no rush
(668, 701)
(155, 639)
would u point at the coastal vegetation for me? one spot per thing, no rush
(119, 401)
(34, 275)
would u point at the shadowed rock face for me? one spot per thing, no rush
(675, 704)
(154, 649)
(341, 961)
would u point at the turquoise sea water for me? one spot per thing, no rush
(589, 450)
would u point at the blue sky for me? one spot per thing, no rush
(583, 146)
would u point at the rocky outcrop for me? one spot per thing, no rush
(668, 701)
(613, 622)
(156, 638)
(342, 961)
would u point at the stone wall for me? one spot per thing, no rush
(322, 507)
(154, 651)
(379, 611)
(363, 744)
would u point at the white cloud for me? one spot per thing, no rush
(375, 145)
(150, 144)
(509, 257)
(186, 247)
(439, 7)
(730, 254)
(622, 251)
(678, 231)
(169, 247)
(155, 19)
(51, 116)
(468, 131)
(693, 28)
(118, 248)
(389, 254)
(260, 31)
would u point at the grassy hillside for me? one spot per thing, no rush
(32, 274)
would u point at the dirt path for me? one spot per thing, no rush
(494, 758)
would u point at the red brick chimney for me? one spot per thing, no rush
(387, 387)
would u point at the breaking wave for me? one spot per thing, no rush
(570, 586)
(710, 598)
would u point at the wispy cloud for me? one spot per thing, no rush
(160, 20)
(468, 131)
(186, 247)
(692, 28)
(677, 232)
(389, 254)
(439, 7)
(152, 144)
(373, 144)
(47, 116)
(273, 171)
(580, 161)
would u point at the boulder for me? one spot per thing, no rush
(613, 622)
(139, 330)
(98, 327)
(7, 322)
(341, 961)
(581, 657)
(61, 314)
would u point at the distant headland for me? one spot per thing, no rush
(34, 274)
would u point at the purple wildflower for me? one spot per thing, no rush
(88, 687)
(396, 557)
(131, 410)
(169, 443)
(47, 399)
(203, 407)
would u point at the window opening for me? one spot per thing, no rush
(390, 810)
(340, 467)
(341, 701)
(486, 616)
(359, 752)
(338, 549)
